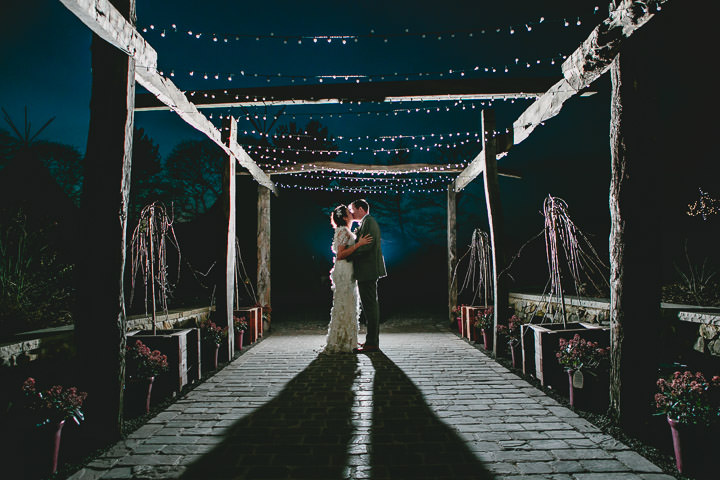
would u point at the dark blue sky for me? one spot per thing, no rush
(46, 66)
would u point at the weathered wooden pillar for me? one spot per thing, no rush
(100, 320)
(452, 250)
(495, 220)
(226, 289)
(263, 246)
(635, 210)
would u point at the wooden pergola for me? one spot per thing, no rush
(120, 56)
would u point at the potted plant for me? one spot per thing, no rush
(511, 332)
(266, 317)
(484, 322)
(240, 325)
(143, 365)
(52, 407)
(212, 336)
(457, 310)
(152, 240)
(691, 405)
(579, 357)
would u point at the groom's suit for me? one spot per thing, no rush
(368, 266)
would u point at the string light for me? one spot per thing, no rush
(504, 67)
(354, 38)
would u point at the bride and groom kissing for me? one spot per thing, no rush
(358, 265)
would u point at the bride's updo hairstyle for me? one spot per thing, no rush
(336, 218)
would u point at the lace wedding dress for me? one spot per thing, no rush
(343, 330)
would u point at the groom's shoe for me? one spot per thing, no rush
(367, 349)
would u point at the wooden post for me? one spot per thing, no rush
(226, 288)
(634, 234)
(452, 250)
(100, 320)
(495, 220)
(263, 246)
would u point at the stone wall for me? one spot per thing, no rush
(578, 309)
(597, 310)
(54, 342)
(708, 340)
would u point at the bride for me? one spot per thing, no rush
(343, 330)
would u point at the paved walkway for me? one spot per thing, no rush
(429, 406)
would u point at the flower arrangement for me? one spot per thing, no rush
(266, 311)
(578, 353)
(485, 319)
(142, 363)
(689, 398)
(240, 324)
(56, 403)
(211, 333)
(511, 330)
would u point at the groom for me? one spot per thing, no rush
(368, 265)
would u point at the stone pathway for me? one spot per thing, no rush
(429, 406)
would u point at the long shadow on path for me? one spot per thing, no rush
(301, 433)
(408, 441)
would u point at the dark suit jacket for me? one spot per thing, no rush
(368, 261)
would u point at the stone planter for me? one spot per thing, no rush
(182, 347)
(468, 314)
(255, 323)
(540, 342)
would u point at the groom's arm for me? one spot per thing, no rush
(369, 227)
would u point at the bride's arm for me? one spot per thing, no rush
(345, 251)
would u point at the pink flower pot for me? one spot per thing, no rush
(692, 445)
(57, 434)
(571, 388)
(239, 339)
(149, 393)
(487, 339)
(513, 354)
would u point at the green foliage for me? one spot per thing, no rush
(142, 363)
(578, 353)
(35, 287)
(689, 398)
(192, 175)
(211, 333)
(54, 404)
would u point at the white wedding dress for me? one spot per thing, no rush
(343, 330)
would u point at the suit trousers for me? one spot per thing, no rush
(370, 311)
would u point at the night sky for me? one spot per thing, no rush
(46, 66)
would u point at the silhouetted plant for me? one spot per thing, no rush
(149, 244)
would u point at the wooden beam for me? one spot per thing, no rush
(452, 250)
(109, 24)
(588, 62)
(100, 318)
(406, 91)
(226, 287)
(428, 168)
(637, 180)
(263, 247)
(495, 220)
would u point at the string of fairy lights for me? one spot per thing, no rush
(511, 66)
(303, 150)
(529, 26)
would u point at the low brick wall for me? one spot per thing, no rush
(52, 342)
